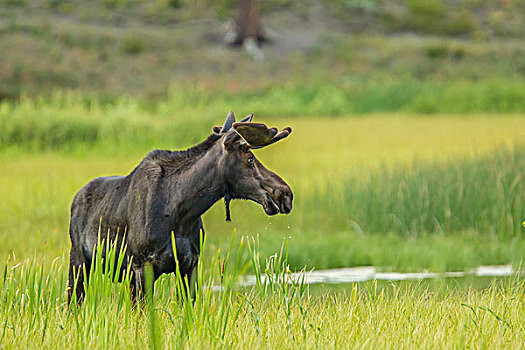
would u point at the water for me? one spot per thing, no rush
(344, 278)
(368, 273)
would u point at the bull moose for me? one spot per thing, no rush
(168, 192)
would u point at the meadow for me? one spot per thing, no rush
(401, 191)
(372, 181)
(408, 154)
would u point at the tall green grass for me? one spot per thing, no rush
(481, 195)
(276, 312)
(486, 195)
(67, 119)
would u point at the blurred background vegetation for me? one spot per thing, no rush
(408, 150)
(144, 48)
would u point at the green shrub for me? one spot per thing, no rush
(427, 8)
(433, 17)
(114, 3)
(425, 15)
(16, 2)
(460, 23)
(437, 51)
(459, 53)
(133, 45)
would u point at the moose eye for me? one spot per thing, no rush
(250, 160)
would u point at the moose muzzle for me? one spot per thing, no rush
(279, 197)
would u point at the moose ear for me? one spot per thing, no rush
(230, 119)
(258, 135)
(247, 119)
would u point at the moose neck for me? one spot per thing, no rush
(200, 186)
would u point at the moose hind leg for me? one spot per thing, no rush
(190, 288)
(77, 279)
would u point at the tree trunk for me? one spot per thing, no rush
(248, 23)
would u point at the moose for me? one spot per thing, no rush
(167, 193)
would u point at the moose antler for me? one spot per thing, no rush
(230, 119)
(258, 135)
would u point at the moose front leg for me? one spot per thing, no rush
(142, 282)
(137, 284)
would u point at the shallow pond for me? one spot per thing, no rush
(367, 278)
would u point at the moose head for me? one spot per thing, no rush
(245, 176)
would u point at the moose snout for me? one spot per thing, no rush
(286, 205)
(278, 196)
(284, 197)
